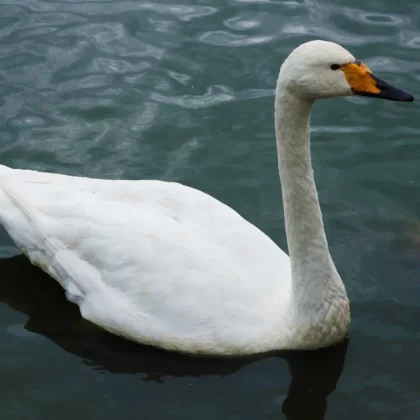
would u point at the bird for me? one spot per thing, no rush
(169, 266)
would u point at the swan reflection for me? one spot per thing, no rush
(314, 375)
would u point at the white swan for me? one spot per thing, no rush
(167, 265)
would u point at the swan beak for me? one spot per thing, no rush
(363, 82)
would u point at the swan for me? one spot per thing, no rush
(169, 266)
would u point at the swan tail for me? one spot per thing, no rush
(40, 244)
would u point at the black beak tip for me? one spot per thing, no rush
(395, 94)
(404, 96)
(389, 93)
(392, 93)
(410, 97)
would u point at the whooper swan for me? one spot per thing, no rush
(170, 266)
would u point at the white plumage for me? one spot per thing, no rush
(153, 261)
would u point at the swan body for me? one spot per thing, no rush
(167, 265)
(156, 262)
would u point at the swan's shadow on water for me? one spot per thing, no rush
(27, 289)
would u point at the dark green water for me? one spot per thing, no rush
(183, 90)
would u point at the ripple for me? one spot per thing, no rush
(184, 79)
(27, 122)
(89, 82)
(241, 24)
(254, 93)
(227, 39)
(257, 2)
(330, 34)
(181, 11)
(410, 39)
(340, 129)
(376, 18)
(393, 65)
(11, 106)
(111, 65)
(213, 96)
(112, 39)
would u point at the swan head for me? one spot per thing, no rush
(322, 69)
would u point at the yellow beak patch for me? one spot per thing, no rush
(359, 77)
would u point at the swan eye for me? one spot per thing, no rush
(335, 66)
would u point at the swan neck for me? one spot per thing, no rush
(313, 271)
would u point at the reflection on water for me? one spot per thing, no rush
(25, 288)
(314, 377)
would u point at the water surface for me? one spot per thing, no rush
(183, 90)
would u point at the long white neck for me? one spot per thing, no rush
(314, 276)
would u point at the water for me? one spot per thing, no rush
(183, 90)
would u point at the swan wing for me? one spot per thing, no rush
(156, 262)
